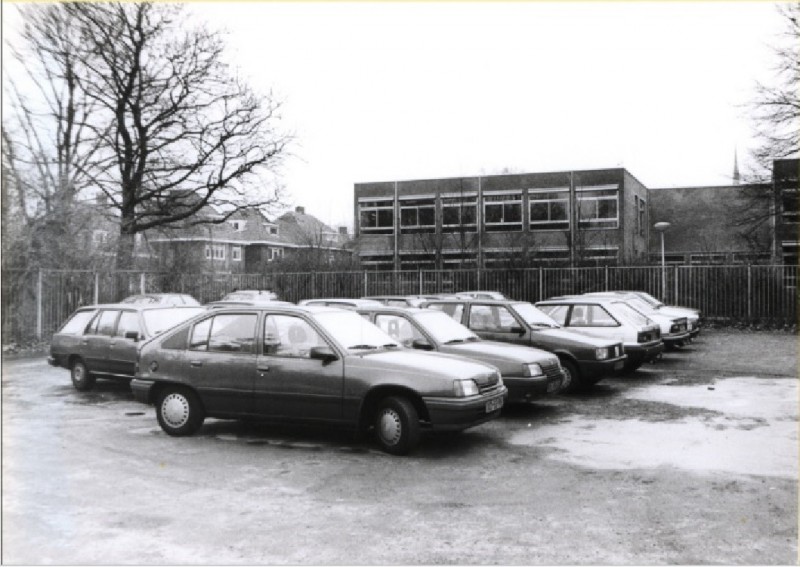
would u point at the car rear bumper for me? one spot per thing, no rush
(595, 368)
(525, 388)
(644, 352)
(141, 390)
(675, 338)
(453, 414)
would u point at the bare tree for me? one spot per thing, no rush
(170, 127)
(46, 147)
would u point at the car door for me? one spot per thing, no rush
(121, 350)
(95, 341)
(221, 362)
(290, 384)
(497, 323)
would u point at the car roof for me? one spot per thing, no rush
(572, 299)
(392, 308)
(349, 300)
(475, 300)
(283, 306)
(138, 306)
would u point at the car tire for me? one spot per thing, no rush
(179, 411)
(397, 425)
(82, 379)
(572, 376)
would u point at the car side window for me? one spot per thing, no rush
(496, 318)
(591, 316)
(128, 323)
(78, 323)
(289, 336)
(107, 322)
(229, 332)
(556, 312)
(399, 328)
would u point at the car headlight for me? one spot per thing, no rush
(532, 369)
(463, 388)
(601, 353)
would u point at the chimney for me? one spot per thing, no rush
(343, 230)
(300, 210)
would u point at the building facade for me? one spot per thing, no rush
(568, 218)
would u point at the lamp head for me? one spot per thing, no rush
(661, 226)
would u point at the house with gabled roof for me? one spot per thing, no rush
(248, 242)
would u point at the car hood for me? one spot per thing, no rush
(575, 335)
(430, 364)
(499, 354)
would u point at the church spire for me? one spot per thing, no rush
(735, 166)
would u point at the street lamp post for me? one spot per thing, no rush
(661, 227)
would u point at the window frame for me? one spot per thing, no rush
(549, 224)
(376, 205)
(504, 199)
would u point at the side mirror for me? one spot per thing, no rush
(421, 344)
(323, 353)
(518, 330)
(132, 335)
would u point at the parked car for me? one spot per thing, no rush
(528, 372)
(584, 359)
(693, 315)
(314, 365)
(341, 302)
(101, 341)
(250, 295)
(399, 300)
(161, 299)
(611, 319)
(675, 331)
(480, 295)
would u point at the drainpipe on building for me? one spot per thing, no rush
(572, 219)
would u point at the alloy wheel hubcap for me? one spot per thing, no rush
(175, 410)
(77, 373)
(390, 427)
(567, 377)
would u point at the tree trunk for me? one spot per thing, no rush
(125, 250)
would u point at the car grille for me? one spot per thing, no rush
(492, 382)
(551, 369)
(615, 351)
(647, 336)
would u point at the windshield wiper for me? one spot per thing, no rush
(362, 347)
(454, 341)
(390, 345)
(540, 324)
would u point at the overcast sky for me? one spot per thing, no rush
(381, 91)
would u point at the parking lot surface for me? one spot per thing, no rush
(693, 460)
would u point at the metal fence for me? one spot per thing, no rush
(35, 303)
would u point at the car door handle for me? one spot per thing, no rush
(196, 362)
(263, 368)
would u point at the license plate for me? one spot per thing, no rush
(494, 405)
(619, 364)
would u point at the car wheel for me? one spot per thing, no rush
(82, 379)
(397, 425)
(572, 376)
(179, 411)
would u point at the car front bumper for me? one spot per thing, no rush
(526, 388)
(454, 414)
(676, 338)
(595, 368)
(141, 390)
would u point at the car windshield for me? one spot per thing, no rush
(444, 329)
(159, 320)
(630, 314)
(650, 299)
(534, 316)
(639, 304)
(353, 332)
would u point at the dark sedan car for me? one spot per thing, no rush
(101, 341)
(315, 365)
(528, 372)
(585, 360)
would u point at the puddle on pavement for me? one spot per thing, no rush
(754, 431)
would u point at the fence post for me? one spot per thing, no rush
(96, 288)
(366, 287)
(606, 276)
(541, 283)
(39, 305)
(420, 282)
(675, 280)
(749, 293)
(141, 283)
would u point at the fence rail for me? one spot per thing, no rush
(35, 303)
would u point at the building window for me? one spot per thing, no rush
(418, 215)
(790, 202)
(236, 253)
(215, 252)
(459, 214)
(275, 254)
(549, 209)
(598, 207)
(502, 212)
(273, 230)
(237, 225)
(419, 261)
(458, 260)
(377, 216)
(99, 237)
(552, 255)
(641, 216)
(378, 262)
(790, 261)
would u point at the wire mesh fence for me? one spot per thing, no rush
(35, 303)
